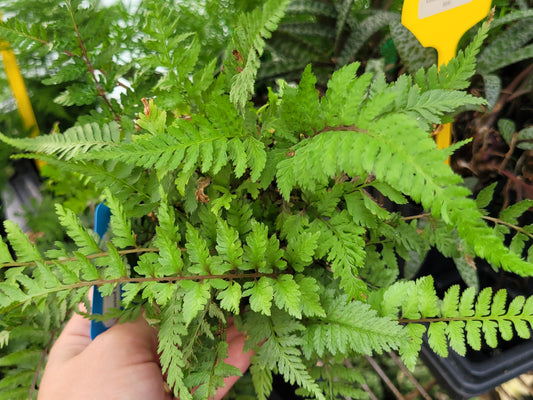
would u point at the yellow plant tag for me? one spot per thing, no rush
(19, 88)
(16, 82)
(441, 24)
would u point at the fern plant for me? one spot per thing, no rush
(271, 214)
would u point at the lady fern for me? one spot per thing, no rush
(274, 216)
(456, 320)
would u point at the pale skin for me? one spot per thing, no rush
(121, 363)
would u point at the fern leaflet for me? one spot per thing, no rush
(74, 142)
(248, 45)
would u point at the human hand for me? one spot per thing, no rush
(121, 363)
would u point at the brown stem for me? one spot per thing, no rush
(365, 387)
(451, 319)
(385, 378)
(409, 375)
(125, 279)
(89, 257)
(509, 154)
(342, 128)
(414, 394)
(371, 394)
(419, 216)
(87, 61)
(515, 227)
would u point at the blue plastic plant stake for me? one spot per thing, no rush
(101, 304)
(102, 215)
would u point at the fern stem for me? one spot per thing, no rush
(471, 318)
(418, 216)
(515, 227)
(188, 347)
(342, 128)
(90, 67)
(364, 386)
(124, 280)
(89, 257)
(37, 39)
(369, 391)
(398, 361)
(384, 377)
(101, 282)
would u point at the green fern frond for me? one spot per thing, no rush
(410, 164)
(228, 246)
(85, 240)
(347, 253)
(256, 247)
(122, 233)
(195, 299)
(113, 265)
(261, 295)
(342, 101)
(249, 42)
(21, 34)
(197, 252)
(512, 213)
(287, 295)
(262, 381)
(167, 237)
(337, 380)
(432, 105)
(20, 243)
(5, 254)
(74, 142)
(171, 330)
(459, 319)
(280, 350)
(230, 298)
(292, 117)
(457, 73)
(350, 327)
(209, 143)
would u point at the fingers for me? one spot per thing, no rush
(232, 331)
(72, 341)
(133, 343)
(138, 335)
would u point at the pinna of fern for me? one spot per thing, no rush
(270, 217)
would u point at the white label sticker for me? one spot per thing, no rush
(427, 8)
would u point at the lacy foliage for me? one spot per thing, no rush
(273, 216)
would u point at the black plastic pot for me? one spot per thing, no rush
(282, 390)
(479, 371)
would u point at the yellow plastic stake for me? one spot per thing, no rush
(441, 24)
(16, 82)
